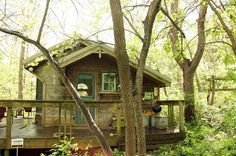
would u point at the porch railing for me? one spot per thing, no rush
(174, 107)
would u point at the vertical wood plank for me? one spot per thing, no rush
(181, 116)
(59, 126)
(213, 90)
(118, 120)
(171, 116)
(6, 152)
(8, 130)
(71, 111)
(64, 120)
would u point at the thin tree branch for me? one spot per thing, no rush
(135, 6)
(134, 29)
(43, 21)
(225, 27)
(97, 33)
(213, 42)
(75, 6)
(173, 22)
(58, 20)
(18, 34)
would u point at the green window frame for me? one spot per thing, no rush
(109, 82)
(86, 86)
(148, 96)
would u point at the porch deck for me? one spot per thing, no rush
(39, 137)
(36, 136)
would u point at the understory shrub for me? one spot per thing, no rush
(214, 135)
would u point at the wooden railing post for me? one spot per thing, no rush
(64, 119)
(59, 126)
(8, 130)
(118, 120)
(71, 112)
(171, 116)
(181, 116)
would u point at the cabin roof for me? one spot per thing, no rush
(71, 50)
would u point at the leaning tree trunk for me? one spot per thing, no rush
(64, 79)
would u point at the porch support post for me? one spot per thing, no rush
(171, 116)
(181, 116)
(118, 120)
(65, 119)
(8, 131)
(59, 126)
(71, 111)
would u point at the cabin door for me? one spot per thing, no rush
(86, 89)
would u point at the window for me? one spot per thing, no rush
(108, 81)
(86, 86)
(148, 96)
(82, 89)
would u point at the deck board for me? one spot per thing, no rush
(36, 136)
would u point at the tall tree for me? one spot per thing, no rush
(79, 103)
(124, 74)
(133, 102)
(189, 66)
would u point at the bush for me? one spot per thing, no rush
(214, 135)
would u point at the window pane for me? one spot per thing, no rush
(109, 81)
(105, 86)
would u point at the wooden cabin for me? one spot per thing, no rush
(92, 68)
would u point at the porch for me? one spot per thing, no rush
(38, 137)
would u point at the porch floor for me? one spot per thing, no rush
(36, 136)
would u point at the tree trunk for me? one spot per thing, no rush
(124, 74)
(189, 67)
(153, 9)
(21, 68)
(188, 86)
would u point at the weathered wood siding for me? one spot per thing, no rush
(53, 89)
(96, 64)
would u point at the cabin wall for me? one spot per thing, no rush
(53, 89)
(96, 64)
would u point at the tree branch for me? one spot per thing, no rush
(201, 37)
(225, 27)
(43, 21)
(134, 29)
(18, 34)
(173, 22)
(213, 42)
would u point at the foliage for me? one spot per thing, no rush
(214, 134)
(116, 152)
(66, 147)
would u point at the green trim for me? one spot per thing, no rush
(85, 78)
(114, 83)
